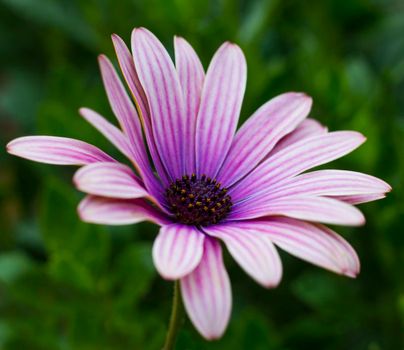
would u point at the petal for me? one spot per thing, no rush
(253, 251)
(321, 183)
(108, 211)
(159, 79)
(191, 76)
(261, 132)
(177, 250)
(206, 292)
(222, 96)
(359, 199)
(307, 128)
(296, 158)
(109, 180)
(317, 209)
(125, 60)
(56, 150)
(110, 131)
(128, 118)
(316, 244)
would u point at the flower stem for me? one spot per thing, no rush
(175, 319)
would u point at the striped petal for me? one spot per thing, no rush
(56, 150)
(317, 209)
(261, 132)
(362, 198)
(128, 118)
(110, 131)
(254, 252)
(307, 128)
(159, 79)
(219, 111)
(109, 180)
(191, 76)
(127, 66)
(206, 292)
(294, 159)
(316, 244)
(108, 211)
(321, 183)
(177, 250)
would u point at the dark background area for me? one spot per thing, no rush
(70, 285)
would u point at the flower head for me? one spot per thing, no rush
(204, 182)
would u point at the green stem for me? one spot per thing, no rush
(175, 319)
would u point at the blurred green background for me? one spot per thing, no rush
(69, 285)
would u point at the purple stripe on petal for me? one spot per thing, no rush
(261, 132)
(253, 251)
(127, 65)
(109, 180)
(56, 150)
(191, 76)
(220, 106)
(294, 159)
(161, 85)
(316, 209)
(108, 211)
(177, 250)
(316, 244)
(206, 292)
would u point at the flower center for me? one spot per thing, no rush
(198, 201)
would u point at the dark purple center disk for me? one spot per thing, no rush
(198, 201)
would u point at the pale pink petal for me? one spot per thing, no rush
(261, 132)
(219, 111)
(128, 118)
(177, 250)
(316, 244)
(113, 180)
(56, 150)
(159, 79)
(316, 209)
(191, 76)
(320, 183)
(295, 159)
(362, 198)
(253, 251)
(307, 128)
(108, 211)
(125, 60)
(110, 131)
(206, 292)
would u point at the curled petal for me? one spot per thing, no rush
(109, 180)
(108, 211)
(206, 292)
(177, 250)
(56, 150)
(219, 111)
(261, 132)
(254, 252)
(316, 244)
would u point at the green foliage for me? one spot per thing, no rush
(69, 285)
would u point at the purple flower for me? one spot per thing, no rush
(206, 182)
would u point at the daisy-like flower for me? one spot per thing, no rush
(204, 182)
